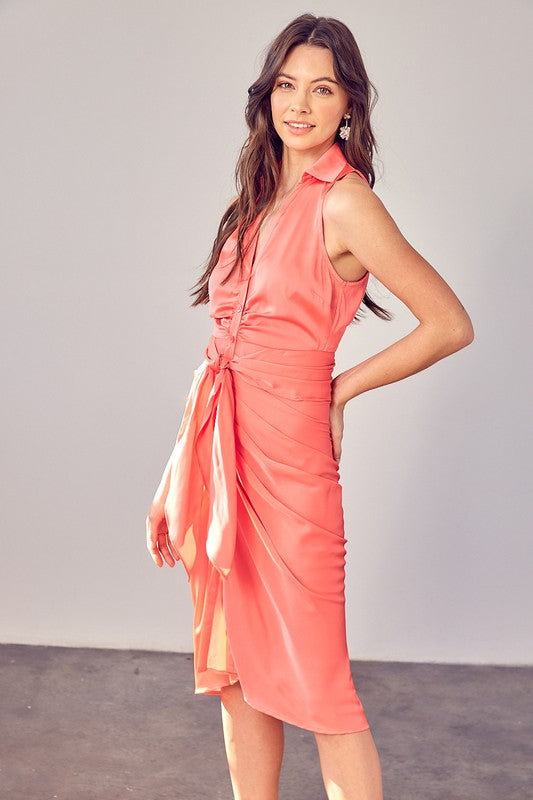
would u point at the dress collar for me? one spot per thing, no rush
(329, 165)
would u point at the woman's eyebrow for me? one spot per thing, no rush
(316, 80)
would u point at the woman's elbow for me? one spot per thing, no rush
(461, 331)
(451, 332)
(467, 330)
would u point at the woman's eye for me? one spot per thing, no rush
(282, 84)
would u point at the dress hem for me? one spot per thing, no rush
(289, 721)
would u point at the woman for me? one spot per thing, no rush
(250, 499)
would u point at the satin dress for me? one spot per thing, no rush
(254, 505)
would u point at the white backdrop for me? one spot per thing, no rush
(121, 125)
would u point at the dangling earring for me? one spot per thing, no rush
(345, 129)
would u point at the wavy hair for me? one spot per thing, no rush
(258, 166)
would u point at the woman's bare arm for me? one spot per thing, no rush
(365, 228)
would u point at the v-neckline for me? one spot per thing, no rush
(273, 221)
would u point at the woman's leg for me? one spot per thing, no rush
(350, 765)
(254, 747)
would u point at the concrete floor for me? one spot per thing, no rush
(85, 724)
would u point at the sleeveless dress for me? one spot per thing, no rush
(254, 505)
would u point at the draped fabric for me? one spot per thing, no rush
(254, 505)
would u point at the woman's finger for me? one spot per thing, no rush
(165, 552)
(336, 431)
(151, 542)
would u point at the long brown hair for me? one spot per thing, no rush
(258, 166)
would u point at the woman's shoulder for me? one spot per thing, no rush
(349, 190)
(352, 178)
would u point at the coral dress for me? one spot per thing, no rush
(254, 504)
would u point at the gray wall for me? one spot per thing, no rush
(121, 125)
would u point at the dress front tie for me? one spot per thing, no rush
(207, 437)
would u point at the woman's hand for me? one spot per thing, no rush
(336, 424)
(157, 535)
(156, 523)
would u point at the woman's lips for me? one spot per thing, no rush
(297, 129)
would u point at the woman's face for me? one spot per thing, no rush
(302, 93)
